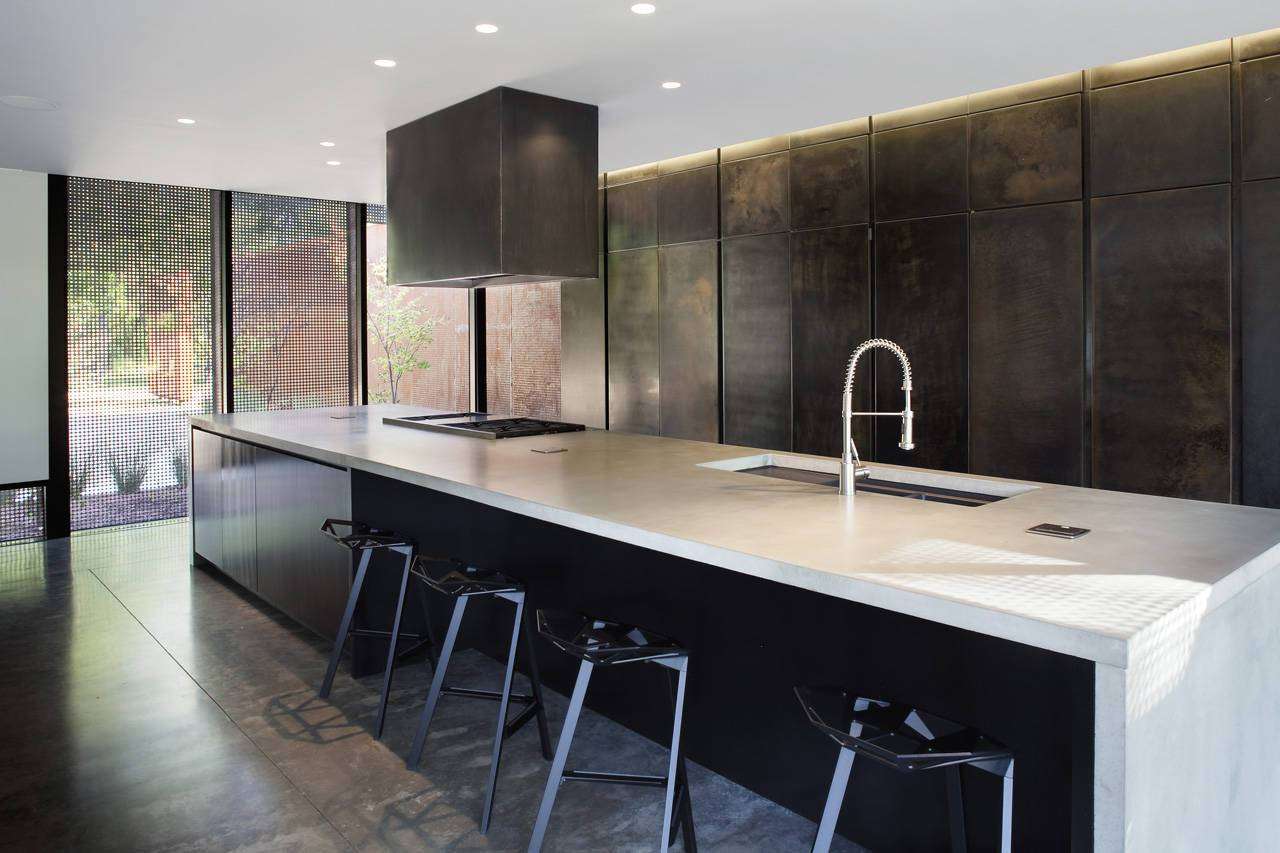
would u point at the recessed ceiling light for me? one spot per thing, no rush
(487, 29)
(385, 63)
(672, 84)
(186, 121)
(27, 102)
(333, 162)
(644, 8)
(328, 144)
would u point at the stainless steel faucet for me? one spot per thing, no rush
(851, 469)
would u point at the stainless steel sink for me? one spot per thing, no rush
(936, 487)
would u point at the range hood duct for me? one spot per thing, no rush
(497, 189)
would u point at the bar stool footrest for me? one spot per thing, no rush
(613, 778)
(470, 693)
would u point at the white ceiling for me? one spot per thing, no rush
(267, 80)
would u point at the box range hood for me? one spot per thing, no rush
(497, 189)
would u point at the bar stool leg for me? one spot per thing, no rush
(421, 589)
(1006, 811)
(556, 776)
(393, 646)
(437, 683)
(535, 682)
(501, 729)
(955, 809)
(344, 627)
(673, 762)
(835, 798)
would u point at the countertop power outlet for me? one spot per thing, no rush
(1062, 531)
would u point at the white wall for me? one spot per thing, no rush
(24, 326)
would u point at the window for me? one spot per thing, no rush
(21, 514)
(416, 337)
(289, 303)
(522, 349)
(138, 360)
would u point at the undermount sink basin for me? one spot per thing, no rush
(954, 489)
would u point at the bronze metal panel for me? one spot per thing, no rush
(950, 108)
(921, 281)
(206, 495)
(830, 132)
(633, 215)
(1025, 155)
(630, 174)
(921, 170)
(1257, 45)
(830, 184)
(1024, 93)
(689, 357)
(1162, 349)
(300, 570)
(633, 341)
(1163, 133)
(755, 195)
(757, 341)
(688, 207)
(1026, 343)
(831, 315)
(1260, 342)
(1171, 62)
(754, 148)
(683, 163)
(1260, 118)
(582, 352)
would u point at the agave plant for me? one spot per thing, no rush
(180, 467)
(79, 479)
(128, 472)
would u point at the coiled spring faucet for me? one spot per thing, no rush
(851, 469)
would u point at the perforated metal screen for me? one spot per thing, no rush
(21, 514)
(139, 325)
(289, 302)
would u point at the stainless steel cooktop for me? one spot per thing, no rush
(483, 425)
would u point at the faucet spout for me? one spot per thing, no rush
(851, 468)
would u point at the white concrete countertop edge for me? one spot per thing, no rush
(929, 606)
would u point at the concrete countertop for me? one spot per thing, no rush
(1147, 563)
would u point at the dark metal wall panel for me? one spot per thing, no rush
(1168, 132)
(687, 206)
(754, 195)
(1028, 154)
(1260, 342)
(757, 341)
(633, 341)
(921, 281)
(831, 315)
(582, 352)
(921, 170)
(1260, 118)
(1026, 343)
(689, 357)
(632, 215)
(830, 184)
(299, 569)
(1161, 267)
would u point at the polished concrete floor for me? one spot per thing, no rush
(149, 706)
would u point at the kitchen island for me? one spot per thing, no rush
(1135, 670)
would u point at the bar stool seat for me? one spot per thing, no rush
(599, 642)
(365, 540)
(906, 739)
(463, 583)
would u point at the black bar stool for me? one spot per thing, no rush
(463, 583)
(597, 642)
(908, 740)
(361, 538)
